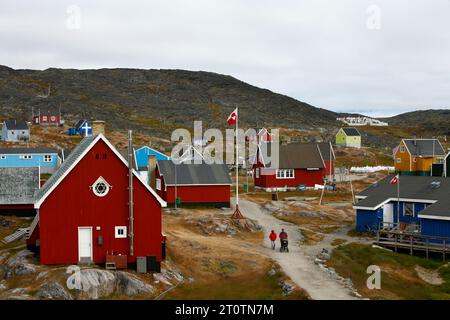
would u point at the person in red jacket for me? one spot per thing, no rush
(273, 237)
(283, 241)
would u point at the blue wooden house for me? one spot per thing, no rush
(47, 159)
(82, 128)
(423, 204)
(142, 154)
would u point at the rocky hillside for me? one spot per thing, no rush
(424, 122)
(155, 101)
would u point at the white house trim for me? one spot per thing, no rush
(93, 143)
(158, 152)
(433, 217)
(394, 199)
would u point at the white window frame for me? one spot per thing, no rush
(3, 158)
(120, 228)
(257, 172)
(25, 157)
(158, 184)
(48, 158)
(402, 149)
(94, 189)
(285, 174)
(399, 160)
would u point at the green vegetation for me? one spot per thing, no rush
(257, 287)
(399, 276)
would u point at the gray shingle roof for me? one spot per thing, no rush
(424, 147)
(16, 125)
(18, 185)
(39, 150)
(351, 131)
(297, 156)
(192, 174)
(71, 159)
(411, 187)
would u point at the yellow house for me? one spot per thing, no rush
(416, 156)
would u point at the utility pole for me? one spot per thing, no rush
(130, 193)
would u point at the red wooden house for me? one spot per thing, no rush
(206, 184)
(259, 135)
(300, 164)
(48, 120)
(83, 211)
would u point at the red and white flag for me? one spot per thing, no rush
(233, 117)
(394, 180)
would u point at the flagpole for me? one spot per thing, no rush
(398, 201)
(237, 160)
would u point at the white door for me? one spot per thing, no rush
(388, 213)
(85, 244)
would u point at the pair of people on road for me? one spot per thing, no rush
(273, 237)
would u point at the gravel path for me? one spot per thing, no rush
(297, 264)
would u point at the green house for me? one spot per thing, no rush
(348, 137)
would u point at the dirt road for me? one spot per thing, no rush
(296, 264)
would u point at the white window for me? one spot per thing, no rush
(44, 118)
(440, 160)
(25, 157)
(3, 157)
(158, 184)
(100, 187)
(48, 158)
(402, 149)
(285, 173)
(257, 173)
(52, 118)
(399, 160)
(414, 159)
(120, 232)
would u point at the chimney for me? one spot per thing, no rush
(152, 171)
(98, 126)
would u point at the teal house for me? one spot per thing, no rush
(47, 159)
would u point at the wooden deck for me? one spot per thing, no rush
(412, 241)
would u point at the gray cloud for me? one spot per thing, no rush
(317, 51)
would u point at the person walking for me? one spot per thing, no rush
(283, 241)
(273, 238)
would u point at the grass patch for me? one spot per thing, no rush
(338, 242)
(399, 279)
(259, 286)
(310, 237)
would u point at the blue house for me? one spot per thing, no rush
(142, 154)
(423, 203)
(47, 159)
(82, 128)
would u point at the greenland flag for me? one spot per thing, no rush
(394, 180)
(233, 117)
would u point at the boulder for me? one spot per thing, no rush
(19, 265)
(53, 291)
(128, 284)
(93, 283)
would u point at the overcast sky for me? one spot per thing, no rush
(373, 57)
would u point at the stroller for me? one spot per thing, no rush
(284, 245)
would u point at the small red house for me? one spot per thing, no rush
(300, 164)
(206, 184)
(48, 120)
(83, 211)
(259, 135)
